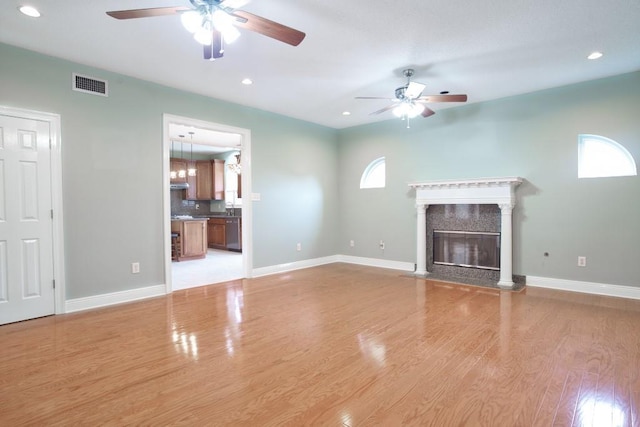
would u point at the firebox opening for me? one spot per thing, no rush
(467, 249)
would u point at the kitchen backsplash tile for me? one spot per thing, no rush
(179, 206)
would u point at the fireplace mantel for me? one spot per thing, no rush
(472, 191)
(500, 191)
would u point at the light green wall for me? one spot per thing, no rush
(533, 136)
(308, 175)
(112, 171)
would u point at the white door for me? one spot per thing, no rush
(26, 239)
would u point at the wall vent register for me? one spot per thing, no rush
(90, 85)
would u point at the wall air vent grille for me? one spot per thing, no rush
(90, 85)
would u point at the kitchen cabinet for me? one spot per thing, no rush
(217, 233)
(204, 172)
(176, 165)
(193, 238)
(217, 179)
(208, 184)
(190, 192)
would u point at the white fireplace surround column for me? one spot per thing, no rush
(421, 263)
(499, 191)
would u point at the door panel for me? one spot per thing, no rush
(31, 284)
(26, 239)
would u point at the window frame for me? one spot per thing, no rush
(586, 170)
(368, 178)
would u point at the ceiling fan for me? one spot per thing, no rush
(213, 23)
(409, 101)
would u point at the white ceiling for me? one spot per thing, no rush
(486, 49)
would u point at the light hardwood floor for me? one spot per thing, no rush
(337, 345)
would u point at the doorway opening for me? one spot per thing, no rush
(201, 143)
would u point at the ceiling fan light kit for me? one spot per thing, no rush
(213, 21)
(409, 102)
(408, 110)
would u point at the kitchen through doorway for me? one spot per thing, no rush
(193, 150)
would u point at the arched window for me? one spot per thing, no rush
(374, 174)
(599, 156)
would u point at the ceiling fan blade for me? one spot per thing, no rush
(268, 28)
(427, 112)
(147, 13)
(414, 90)
(443, 98)
(216, 49)
(382, 110)
(373, 97)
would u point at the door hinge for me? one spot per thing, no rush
(54, 283)
(51, 213)
(50, 144)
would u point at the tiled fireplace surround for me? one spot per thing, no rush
(484, 204)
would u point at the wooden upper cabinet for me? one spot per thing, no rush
(204, 172)
(176, 165)
(217, 179)
(190, 193)
(208, 184)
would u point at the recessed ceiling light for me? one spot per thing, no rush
(247, 81)
(346, 113)
(29, 11)
(595, 55)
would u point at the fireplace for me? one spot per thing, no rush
(469, 249)
(484, 193)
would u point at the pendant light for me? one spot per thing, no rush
(182, 173)
(191, 170)
(172, 173)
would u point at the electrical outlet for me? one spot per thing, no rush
(582, 261)
(352, 243)
(299, 247)
(135, 267)
(382, 244)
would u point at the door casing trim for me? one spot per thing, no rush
(247, 208)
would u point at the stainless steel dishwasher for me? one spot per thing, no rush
(233, 234)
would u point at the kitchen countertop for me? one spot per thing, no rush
(200, 218)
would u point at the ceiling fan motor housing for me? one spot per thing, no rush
(400, 92)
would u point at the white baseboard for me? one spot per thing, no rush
(375, 262)
(96, 301)
(290, 266)
(104, 300)
(372, 262)
(585, 287)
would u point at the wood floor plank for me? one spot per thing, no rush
(337, 345)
